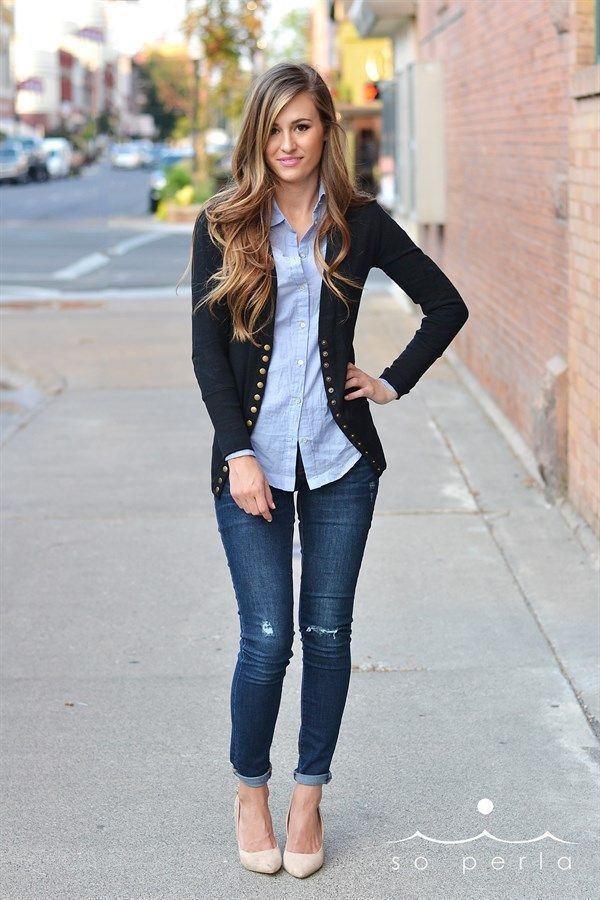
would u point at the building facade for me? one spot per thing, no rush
(496, 174)
(68, 68)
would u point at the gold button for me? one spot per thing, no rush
(333, 402)
(260, 384)
(337, 415)
(220, 479)
(325, 365)
(253, 409)
(358, 444)
(217, 490)
(257, 396)
(265, 359)
(263, 371)
(267, 346)
(225, 468)
(248, 421)
(345, 426)
(351, 434)
(325, 353)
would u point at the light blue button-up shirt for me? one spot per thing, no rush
(294, 409)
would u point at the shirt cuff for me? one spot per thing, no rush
(240, 453)
(389, 386)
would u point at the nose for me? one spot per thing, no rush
(287, 144)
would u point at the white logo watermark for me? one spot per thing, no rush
(470, 863)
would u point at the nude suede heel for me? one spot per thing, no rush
(302, 864)
(268, 861)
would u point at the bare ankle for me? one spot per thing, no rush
(307, 795)
(248, 794)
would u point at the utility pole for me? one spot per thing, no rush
(199, 124)
(195, 52)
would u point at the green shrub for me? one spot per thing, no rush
(177, 176)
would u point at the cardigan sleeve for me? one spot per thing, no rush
(210, 340)
(445, 312)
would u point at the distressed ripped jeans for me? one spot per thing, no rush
(334, 521)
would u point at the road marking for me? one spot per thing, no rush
(82, 267)
(94, 261)
(131, 243)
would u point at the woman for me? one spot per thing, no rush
(279, 258)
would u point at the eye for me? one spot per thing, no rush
(303, 125)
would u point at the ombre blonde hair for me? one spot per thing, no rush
(239, 216)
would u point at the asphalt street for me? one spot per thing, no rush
(86, 233)
(467, 764)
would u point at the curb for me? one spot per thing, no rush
(141, 223)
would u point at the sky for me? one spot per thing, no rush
(154, 20)
(131, 24)
(159, 20)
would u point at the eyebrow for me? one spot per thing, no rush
(303, 119)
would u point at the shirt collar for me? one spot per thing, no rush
(277, 216)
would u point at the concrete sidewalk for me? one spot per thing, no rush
(475, 643)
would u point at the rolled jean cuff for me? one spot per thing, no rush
(312, 779)
(254, 780)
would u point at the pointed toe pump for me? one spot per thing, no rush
(302, 864)
(268, 861)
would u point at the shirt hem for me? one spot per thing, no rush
(324, 477)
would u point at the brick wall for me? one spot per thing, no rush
(507, 68)
(584, 265)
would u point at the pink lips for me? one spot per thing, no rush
(290, 160)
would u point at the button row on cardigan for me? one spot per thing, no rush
(259, 384)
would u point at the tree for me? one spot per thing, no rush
(167, 84)
(290, 40)
(228, 32)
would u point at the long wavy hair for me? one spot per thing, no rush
(239, 216)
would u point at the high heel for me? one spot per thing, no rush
(268, 861)
(302, 864)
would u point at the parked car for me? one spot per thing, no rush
(126, 156)
(14, 164)
(169, 156)
(59, 156)
(33, 148)
(145, 148)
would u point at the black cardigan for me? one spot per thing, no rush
(232, 376)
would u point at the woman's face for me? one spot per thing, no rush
(296, 141)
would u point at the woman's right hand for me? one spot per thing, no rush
(249, 487)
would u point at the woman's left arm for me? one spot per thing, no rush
(425, 283)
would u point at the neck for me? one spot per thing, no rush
(298, 199)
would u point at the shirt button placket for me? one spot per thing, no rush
(302, 334)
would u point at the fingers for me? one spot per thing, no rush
(262, 507)
(357, 381)
(258, 503)
(355, 376)
(269, 495)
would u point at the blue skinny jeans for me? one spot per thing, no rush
(334, 521)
